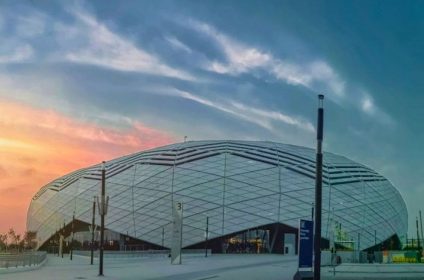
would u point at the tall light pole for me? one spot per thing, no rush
(72, 238)
(58, 240)
(418, 235)
(163, 237)
(375, 238)
(93, 226)
(102, 211)
(206, 236)
(421, 225)
(318, 190)
(62, 239)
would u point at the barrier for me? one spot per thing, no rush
(8, 260)
(144, 253)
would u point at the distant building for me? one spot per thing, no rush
(254, 194)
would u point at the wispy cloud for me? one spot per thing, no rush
(40, 145)
(177, 44)
(98, 45)
(18, 54)
(241, 58)
(31, 24)
(368, 106)
(264, 118)
(17, 32)
(54, 123)
(316, 75)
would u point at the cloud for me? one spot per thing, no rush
(367, 105)
(177, 44)
(316, 75)
(240, 58)
(275, 116)
(3, 173)
(18, 54)
(31, 24)
(98, 45)
(53, 123)
(370, 108)
(261, 117)
(39, 145)
(16, 35)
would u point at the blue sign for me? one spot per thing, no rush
(306, 243)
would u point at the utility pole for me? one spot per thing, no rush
(102, 211)
(163, 236)
(421, 225)
(312, 212)
(375, 238)
(418, 235)
(58, 240)
(359, 241)
(72, 238)
(318, 190)
(359, 247)
(62, 239)
(93, 223)
(206, 236)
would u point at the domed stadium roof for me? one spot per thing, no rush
(239, 185)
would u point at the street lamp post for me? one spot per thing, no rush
(375, 238)
(57, 234)
(206, 236)
(421, 225)
(72, 238)
(418, 238)
(62, 239)
(102, 211)
(92, 229)
(318, 190)
(163, 237)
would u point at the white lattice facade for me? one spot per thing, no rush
(237, 184)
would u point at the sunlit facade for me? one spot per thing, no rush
(239, 185)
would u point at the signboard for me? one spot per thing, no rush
(306, 243)
(177, 233)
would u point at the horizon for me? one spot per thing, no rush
(87, 81)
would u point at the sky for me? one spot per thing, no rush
(86, 81)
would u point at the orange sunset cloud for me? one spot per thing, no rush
(37, 146)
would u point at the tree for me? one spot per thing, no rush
(14, 238)
(17, 241)
(30, 239)
(3, 241)
(11, 236)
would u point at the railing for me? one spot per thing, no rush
(405, 256)
(8, 260)
(145, 253)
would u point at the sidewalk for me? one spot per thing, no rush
(222, 267)
(374, 271)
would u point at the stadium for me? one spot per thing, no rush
(252, 193)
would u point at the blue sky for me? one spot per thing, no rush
(227, 70)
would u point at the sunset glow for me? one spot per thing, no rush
(37, 146)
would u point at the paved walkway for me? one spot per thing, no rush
(219, 267)
(216, 267)
(375, 271)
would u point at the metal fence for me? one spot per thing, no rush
(330, 259)
(406, 256)
(21, 259)
(145, 253)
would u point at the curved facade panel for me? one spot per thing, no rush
(239, 185)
